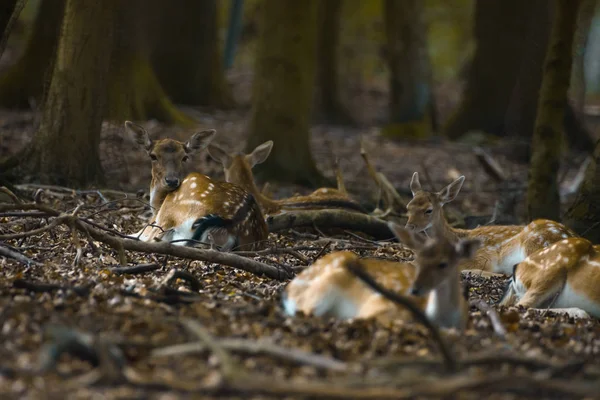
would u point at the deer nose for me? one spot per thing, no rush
(414, 291)
(410, 227)
(172, 182)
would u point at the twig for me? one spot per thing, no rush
(341, 219)
(484, 307)
(175, 274)
(276, 250)
(225, 361)
(10, 194)
(136, 269)
(15, 255)
(490, 165)
(320, 253)
(257, 347)
(356, 269)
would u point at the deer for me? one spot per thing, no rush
(564, 276)
(238, 169)
(502, 246)
(432, 281)
(191, 207)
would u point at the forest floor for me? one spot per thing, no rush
(127, 322)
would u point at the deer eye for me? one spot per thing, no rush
(429, 211)
(185, 158)
(153, 157)
(442, 265)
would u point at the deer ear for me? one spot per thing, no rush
(450, 192)
(411, 239)
(260, 153)
(199, 140)
(139, 135)
(219, 155)
(466, 248)
(415, 185)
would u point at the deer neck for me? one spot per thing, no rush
(157, 196)
(441, 226)
(446, 305)
(269, 206)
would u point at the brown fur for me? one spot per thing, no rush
(501, 244)
(238, 169)
(196, 195)
(544, 275)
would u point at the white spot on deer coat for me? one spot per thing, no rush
(193, 185)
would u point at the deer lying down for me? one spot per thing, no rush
(564, 276)
(327, 288)
(238, 169)
(194, 208)
(502, 246)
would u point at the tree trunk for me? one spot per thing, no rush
(410, 72)
(9, 13)
(584, 214)
(25, 79)
(500, 29)
(65, 149)
(283, 91)
(134, 91)
(577, 88)
(186, 54)
(330, 106)
(543, 199)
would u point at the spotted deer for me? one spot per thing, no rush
(564, 276)
(190, 208)
(502, 246)
(432, 281)
(238, 169)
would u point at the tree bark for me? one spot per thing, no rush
(134, 91)
(25, 79)
(186, 54)
(410, 71)
(65, 149)
(584, 214)
(283, 91)
(577, 88)
(330, 107)
(543, 200)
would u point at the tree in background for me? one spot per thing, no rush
(410, 71)
(186, 54)
(25, 79)
(134, 91)
(65, 149)
(283, 90)
(577, 88)
(543, 200)
(330, 106)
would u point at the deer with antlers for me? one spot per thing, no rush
(564, 276)
(238, 169)
(502, 246)
(327, 288)
(190, 208)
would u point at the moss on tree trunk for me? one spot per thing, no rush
(543, 199)
(584, 214)
(186, 54)
(283, 91)
(25, 79)
(65, 149)
(330, 106)
(410, 73)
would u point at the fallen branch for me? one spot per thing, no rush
(15, 255)
(175, 274)
(136, 269)
(449, 360)
(495, 320)
(341, 219)
(256, 347)
(49, 287)
(120, 244)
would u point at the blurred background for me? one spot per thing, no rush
(420, 83)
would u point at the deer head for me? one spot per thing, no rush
(436, 258)
(238, 166)
(426, 207)
(169, 157)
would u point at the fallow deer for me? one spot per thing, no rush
(194, 208)
(327, 288)
(565, 276)
(238, 169)
(502, 246)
